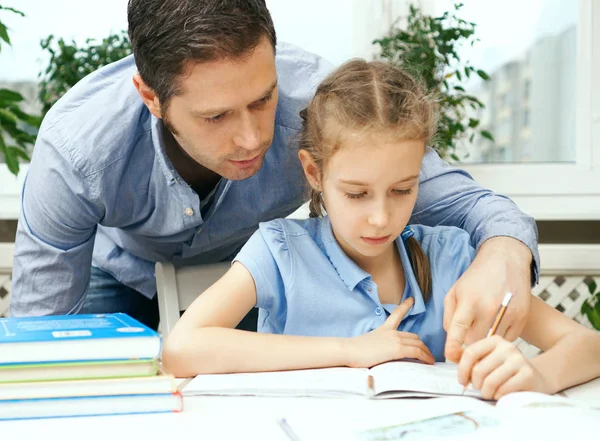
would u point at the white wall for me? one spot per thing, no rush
(70, 19)
(335, 29)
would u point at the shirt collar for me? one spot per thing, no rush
(157, 130)
(351, 274)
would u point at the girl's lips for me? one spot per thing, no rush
(376, 240)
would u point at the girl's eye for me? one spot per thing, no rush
(355, 195)
(403, 192)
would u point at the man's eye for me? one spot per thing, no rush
(215, 119)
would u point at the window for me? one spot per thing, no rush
(543, 104)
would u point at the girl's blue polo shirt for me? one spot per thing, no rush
(306, 285)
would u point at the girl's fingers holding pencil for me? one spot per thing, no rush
(473, 354)
(498, 377)
(487, 364)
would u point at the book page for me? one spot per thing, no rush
(309, 382)
(406, 376)
(536, 400)
(373, 420)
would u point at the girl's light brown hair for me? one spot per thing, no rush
(361, 97)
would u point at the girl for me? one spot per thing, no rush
(358, 287)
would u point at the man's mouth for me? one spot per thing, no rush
(245, 163)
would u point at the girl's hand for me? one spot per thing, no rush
(496, 367)
(387, 343)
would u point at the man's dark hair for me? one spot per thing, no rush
(166, 34)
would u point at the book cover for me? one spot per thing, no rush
(76, 370)
(76, 337)
(90, 406)
(157, 384)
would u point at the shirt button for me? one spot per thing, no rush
(378, 311)
(369, 290)
(189, 211)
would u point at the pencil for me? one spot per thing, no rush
(495, 325)
(500, 314)
(283, 424)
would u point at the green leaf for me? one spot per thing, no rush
(11, 160)
(454, 157)
(10, 95)
(6, 8)
(33, 121)
(8, 115)
(487, 135)
(4, 34)
(592, 312)
(459, 88)
(473, 122)
(19, 152)
(483, 75)
(592, 287)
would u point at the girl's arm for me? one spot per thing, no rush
(204, 341)
(571, 352)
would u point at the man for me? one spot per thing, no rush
(179, 154)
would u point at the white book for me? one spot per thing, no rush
(388, 380)
(157, 384)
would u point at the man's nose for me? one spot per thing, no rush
(248, 134)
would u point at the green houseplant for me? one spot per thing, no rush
(69, 63)
(591, 307)
(17, 128)
(429, 47)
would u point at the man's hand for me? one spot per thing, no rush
(502, 265)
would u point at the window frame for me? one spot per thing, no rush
(562, 191)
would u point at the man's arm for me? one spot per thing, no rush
(506, 242)
(55, 235)
(450, 196)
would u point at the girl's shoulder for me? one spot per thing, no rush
(291, 229)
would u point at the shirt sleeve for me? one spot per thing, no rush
(450, 196)
(266, 256)
(55, 234)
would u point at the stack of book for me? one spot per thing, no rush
(81, 365)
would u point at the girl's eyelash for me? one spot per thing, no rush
(355, 195)
(267, 98)
(360, 195)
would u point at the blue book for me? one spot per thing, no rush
(90, 406)
(84, 337)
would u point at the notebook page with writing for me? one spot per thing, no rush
(404, 378)
(310, 382)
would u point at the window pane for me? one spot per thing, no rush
(528, 48)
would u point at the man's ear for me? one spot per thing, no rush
(311, 170)
(148, 96)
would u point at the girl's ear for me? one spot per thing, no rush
(311, 170)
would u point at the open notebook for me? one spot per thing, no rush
(395, 379)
